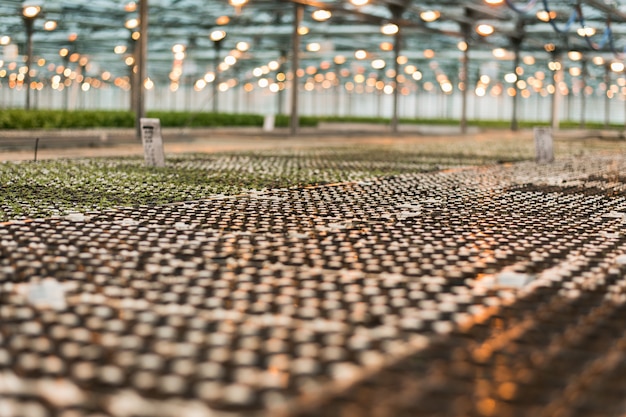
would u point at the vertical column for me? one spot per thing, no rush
(583, 96)
(556, 97)
(133, 78)
(607, 104)
(396, 87)
(216, 80)
(514, 116)
(142, 60)
(337, 84)
(217, 36)
(464, 81)
(29, 57)
(281, 92)
(295, 63)
(516, 41)
(66, 90)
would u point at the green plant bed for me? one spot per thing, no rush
(57, 119)
(57, 187)
(484, 124)
(18, 119)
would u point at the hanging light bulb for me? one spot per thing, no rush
(386, 46)
(243, 46)
(389, 29)
(178, 48)
(378, 64)
(575, 55)
(586, 31)
(360, 54)
(131, 23)
(484, 29)
(499, 53)
(430, 15)
(546, 16)
(222, 20)
(217, 35)
(321, 15)
(313, 47)
(31, 12)
(50, 25)
(575, 71)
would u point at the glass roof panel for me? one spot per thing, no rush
(95, 30)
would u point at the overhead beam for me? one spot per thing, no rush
(614, 13)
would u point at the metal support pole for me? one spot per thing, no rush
(216, 80)
(556, 97)
(514, 116)
(281, 92)
(624, 111)
(337, 89)
(133, 77)
(516, 42)
(465, 83)
(295, 63)
(142, 61)
(396, 87)
(583, 96)
(624, 97)
(607, 104)
(237, 95)
(280, 100)
(28, 22)
(466, 29)
(66, 97)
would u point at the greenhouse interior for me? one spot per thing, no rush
(312, 208)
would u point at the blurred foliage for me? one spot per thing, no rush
(58, 119)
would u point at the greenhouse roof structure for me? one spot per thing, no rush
(100, 35)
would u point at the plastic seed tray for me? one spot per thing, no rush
(479, 291)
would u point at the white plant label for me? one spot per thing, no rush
(544, 145)
(152, 142)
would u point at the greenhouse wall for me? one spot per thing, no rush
(421, 104)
